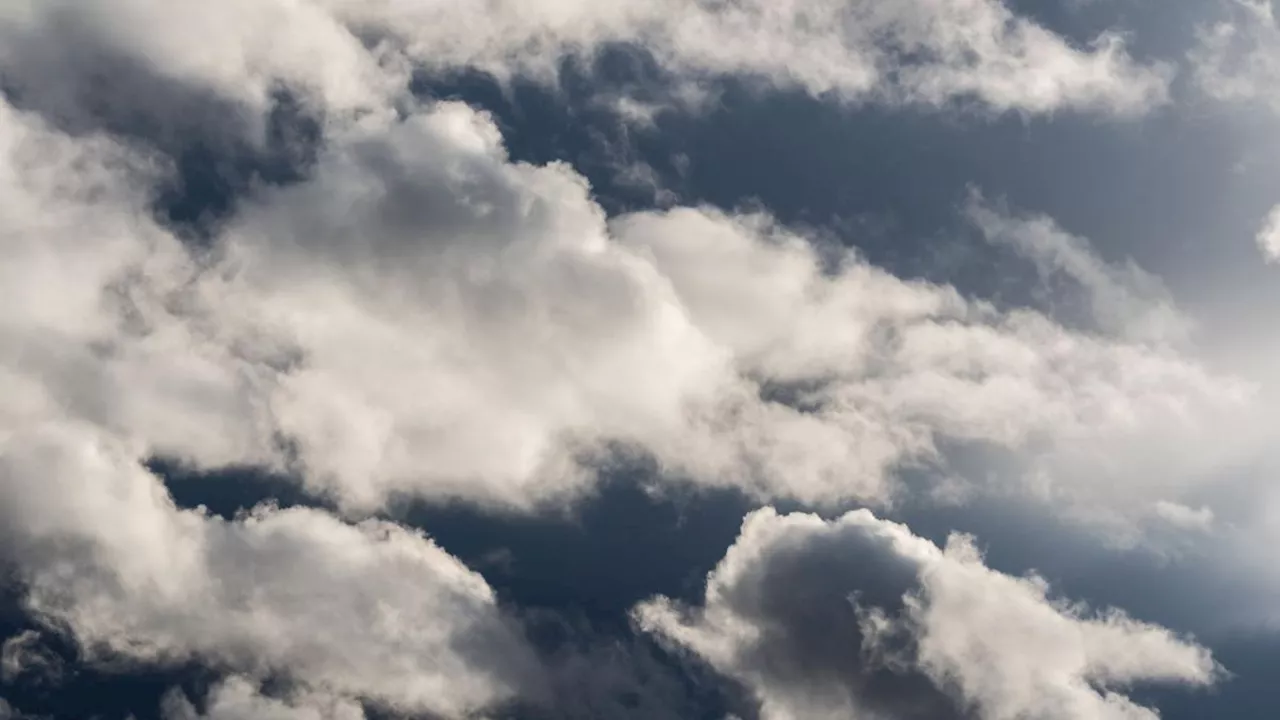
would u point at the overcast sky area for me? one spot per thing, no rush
(639, 360)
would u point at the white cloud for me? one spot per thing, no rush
(347, 56)
(111, 354)
(1184, 517)
(423, 316)
(916, 51)
(101, 550)
(1268, 237)
(1237, 58)
(858, 615)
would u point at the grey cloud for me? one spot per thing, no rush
(805, 612)
(238, 698)
(1123, 299)
(25, 658)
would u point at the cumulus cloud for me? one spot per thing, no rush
(101, 550)
(467, 327)
(859, 617)
(111, 356)
(422, 316)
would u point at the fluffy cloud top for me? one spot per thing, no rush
(859, 617)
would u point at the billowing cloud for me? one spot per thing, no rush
(859, 617)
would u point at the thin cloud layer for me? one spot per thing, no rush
(857, 616)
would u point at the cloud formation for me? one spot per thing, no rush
(859, 617)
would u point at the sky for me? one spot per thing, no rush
(676, 359)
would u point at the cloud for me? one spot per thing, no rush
(421, 316)
(1237, 58)
(25, 658)
(101, 550)
(238, 698)
(1184, 517)
(916, 52)
(111, 356)
(1123, 299)
(161, 64)
(859, 616)
(1268, 237)
(75, 60)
